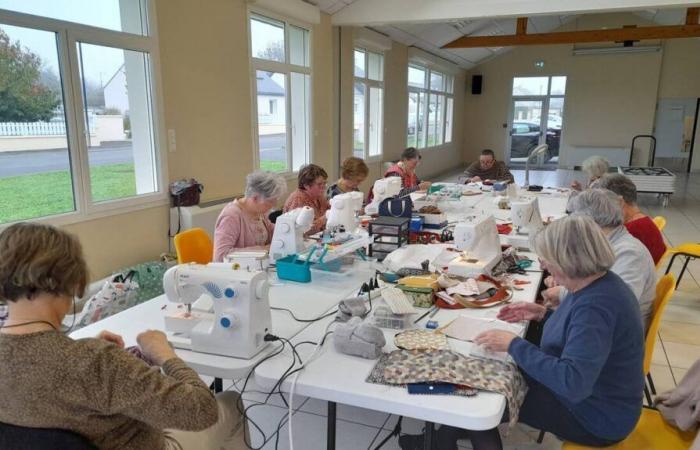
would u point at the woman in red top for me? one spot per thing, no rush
(406, 169)
(311, 192)
(637, 223)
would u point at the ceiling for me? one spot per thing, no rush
(431, 36)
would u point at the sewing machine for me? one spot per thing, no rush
(344, 211)
(383, 188)
(288, 237)
(527, 221)
(477, 238)
(241, 311)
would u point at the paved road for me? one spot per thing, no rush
(40, 161)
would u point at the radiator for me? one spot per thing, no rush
(203, 216)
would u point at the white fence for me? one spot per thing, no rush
(32, 128)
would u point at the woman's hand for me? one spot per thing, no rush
(576, 185)
(495, 340)
(517, 312)
(475, 179)
(424, 185)
(154, 346)
(552, 296)
(549, 282)
(111, 337)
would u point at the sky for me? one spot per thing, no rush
(100, 62)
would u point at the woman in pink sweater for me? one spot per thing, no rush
(243, 223)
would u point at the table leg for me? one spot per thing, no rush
(217, 386)
(330, 434)
(428, 436)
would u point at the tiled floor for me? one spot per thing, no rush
(676, 349)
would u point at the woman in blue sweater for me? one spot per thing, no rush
(585, 379)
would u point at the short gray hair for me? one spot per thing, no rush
(595, 166)
(621, 185)
(265, 184)
(601, 205)
(576, 246)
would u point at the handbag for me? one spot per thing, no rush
(396, 207)
(185, 192)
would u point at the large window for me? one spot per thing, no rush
(430, 107)
(281, 66)
(78, 125)
(368, 117)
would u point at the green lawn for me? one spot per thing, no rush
(44, 194)
(273, 166)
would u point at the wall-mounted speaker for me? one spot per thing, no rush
(477, 81)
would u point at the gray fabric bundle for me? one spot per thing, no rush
(681, 406)
(351, 307)
(359, 339)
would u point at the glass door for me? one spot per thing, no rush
(525, 131)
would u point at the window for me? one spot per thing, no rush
(77, 149)
(280, 58)
(368, 98)
(430, 107)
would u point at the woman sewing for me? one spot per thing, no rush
(353, 172)
(406, 170)
(311, 192)
(243, 223)
(93, 387)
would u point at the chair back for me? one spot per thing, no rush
(23, 438)
(664, 292)
(660, 222)
(194, 245)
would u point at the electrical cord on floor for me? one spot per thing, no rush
(305, 320)
(395, 432)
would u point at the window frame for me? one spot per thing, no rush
(369, 84)
(286, 68)
(68, 36)
(447, 94)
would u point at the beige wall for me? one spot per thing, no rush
(436, 160)
(609, 98)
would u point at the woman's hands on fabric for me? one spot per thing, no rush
(517, 312)
(475, 179)
(111, 337)
(424, 185)
(495, 340)
(154, 346)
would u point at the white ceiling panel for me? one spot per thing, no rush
(440, 34)
(472, 54)
(543, 24)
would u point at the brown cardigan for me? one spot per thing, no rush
(96, 389)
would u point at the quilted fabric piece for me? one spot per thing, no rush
(421, 340)
(406, 366)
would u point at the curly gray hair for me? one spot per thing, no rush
(595, 166)
(266, 185)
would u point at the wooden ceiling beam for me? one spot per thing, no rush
(521, 26)
(575, 37)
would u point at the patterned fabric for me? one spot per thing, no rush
(421, 340)
(377, 377)
(404, 366)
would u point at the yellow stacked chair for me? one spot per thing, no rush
(194, 245)
(660, 222)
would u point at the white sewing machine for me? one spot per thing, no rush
(527, 221)
(241, 316)
(344, 211)
(383, 188)
(288, 237)
(478, 240)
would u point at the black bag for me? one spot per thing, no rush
(185, 192)
(396, 207)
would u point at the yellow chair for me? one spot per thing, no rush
(689, 250)
(664, 292)
(651, 433)
(194, 245)
(660, 222)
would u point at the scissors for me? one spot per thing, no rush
(520, 266)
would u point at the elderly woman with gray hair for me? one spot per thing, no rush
(633, 262)
(243, 223)
(585, 378)
(595, 167)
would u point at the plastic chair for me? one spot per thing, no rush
(651, 433)
(23, 438)
(194, 245)
(664, 292)
(689, 250)
(660, 222)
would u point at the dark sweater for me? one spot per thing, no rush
(498, 172)
(591, 357)
(96, 389)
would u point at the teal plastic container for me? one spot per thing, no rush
(293, 269)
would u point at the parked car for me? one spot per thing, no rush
(525, 136)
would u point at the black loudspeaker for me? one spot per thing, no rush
(476, 84)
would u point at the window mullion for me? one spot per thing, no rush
(288, 121)
(367, 119)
